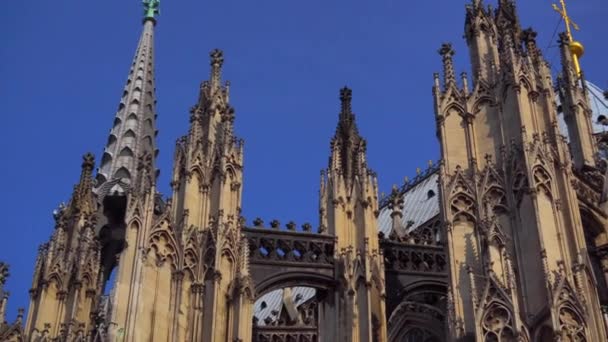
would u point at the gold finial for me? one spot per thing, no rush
(576, 48)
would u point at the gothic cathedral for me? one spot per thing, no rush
(505, 239)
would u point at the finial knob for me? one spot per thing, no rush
(217, 58)
(528, 35)
(88, 161)
(151, 8)
(446, 50)
(3, 272)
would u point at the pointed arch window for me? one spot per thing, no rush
(126, 152)
(106, 159)
(148, 141)
(131, 122)
(111, 141)
(122, 173)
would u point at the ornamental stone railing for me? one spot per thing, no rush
(286, 334)
(290, 247)
(409, 258)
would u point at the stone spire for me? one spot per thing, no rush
(3, 294)
(348, 148)
(449, 76)
(82, 199)
(134, 130)
(507, 20)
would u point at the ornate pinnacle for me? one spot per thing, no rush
(84, 186)
(347, 117)
(20, 313)
(88, 161)
(346, 96)
(217, 59)
(151, 8)
(528, 35)
(446, 53)
(395, 201)
(3, 273)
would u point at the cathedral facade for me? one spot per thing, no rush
(505, 239)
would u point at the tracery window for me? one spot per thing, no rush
(571, 327)
(497, 324)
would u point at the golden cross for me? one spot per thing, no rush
(567, 20)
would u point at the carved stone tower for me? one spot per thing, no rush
(207, 185)
(65, 286)
(348, 208)
(519, 267)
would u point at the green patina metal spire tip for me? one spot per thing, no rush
(151, 8)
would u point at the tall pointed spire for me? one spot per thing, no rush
(507, 20)
(132, 136)
(347, 127)
(348, 147)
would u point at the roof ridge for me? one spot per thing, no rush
(409, 184)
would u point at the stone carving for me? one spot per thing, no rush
(572, 327)
(400, 257)
(497, 324)
(286, 247)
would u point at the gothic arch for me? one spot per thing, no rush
(55, 279)
(126, 152)
(497, 323)
(462, 199)
(422, 305)
(572, 326)
(292, 279)
(228, 252)
(482, 100)
(542, 180)
(190, 261)
(462, 207)
(230, 172)
(164, 247)
(111, 141)
(196, 171)
(493, 190)
(438, 287)
(147, 141)
(523, 80)
(134, 223)
(106, 158)
(416, 322)
(456, 108)
(122, 173)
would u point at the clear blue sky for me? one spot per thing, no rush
(63, 65)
